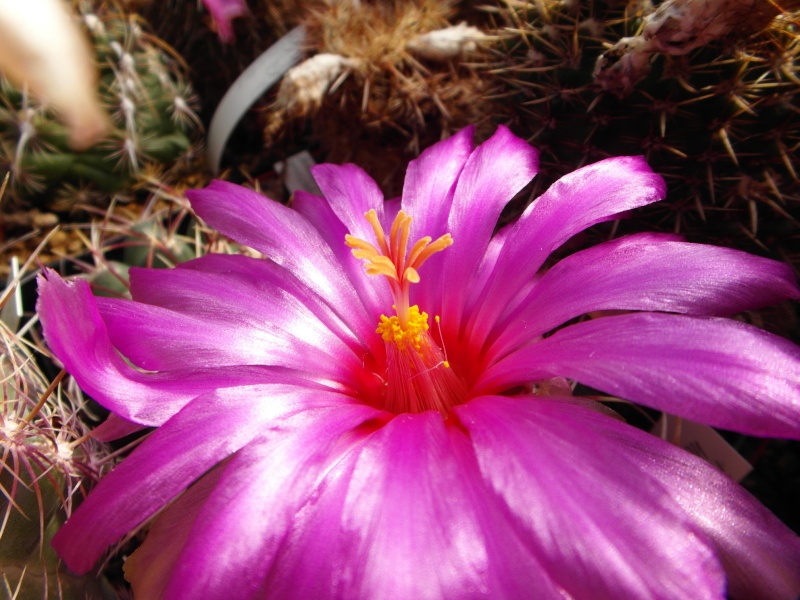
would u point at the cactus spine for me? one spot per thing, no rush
(594, 79)
(48, 461)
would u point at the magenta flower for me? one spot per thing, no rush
(301, 454)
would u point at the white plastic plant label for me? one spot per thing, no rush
(705, 442)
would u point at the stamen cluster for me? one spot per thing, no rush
(418, 376)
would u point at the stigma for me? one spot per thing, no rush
(392, 259)
(418, 376)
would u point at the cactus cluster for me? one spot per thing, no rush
(142, 86)
(49, 460)
(47, 463)
(707, 90)
(719, 121)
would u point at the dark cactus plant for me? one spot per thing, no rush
(382, 81)
(707, 93)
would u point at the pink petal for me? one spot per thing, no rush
(428, 190)
(351, 193)
(78, 337)
(760, 554)
(254, 275)
(252, 509)
(76, 334)
(114, 428)
(282, 235)
(157, 339)
(204, 432)
(405, 515)
(149, 568)
(715, 371)
(493, 174)
(374, 293)
(431, 182)
(223, 12)
(595, 193)
(221, 286)
(259, 300)
(647, 272)
(601, 530)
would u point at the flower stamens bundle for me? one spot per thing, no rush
(418, 375)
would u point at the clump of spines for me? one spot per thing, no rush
(48, 460)
(142, 85)
(720, 123)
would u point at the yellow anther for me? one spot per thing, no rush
(359, 244)
(401, 228)
(418, 376)
(443, 242)
(381, 265)
(380, 237)
(417, 249)
(411, 275)
(364, 254)
(408, 336)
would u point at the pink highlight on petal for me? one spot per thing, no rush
(319, 213)
(715, 371)
(350, 193)
(546, 467)
(590, 195)
(283, 235)
(405, 515)
(760, 554)
(645, 272)
(78, 337)
(211, 428)
(495, 171)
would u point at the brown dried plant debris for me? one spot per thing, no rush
(383, 81)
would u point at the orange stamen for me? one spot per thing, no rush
(388, 257)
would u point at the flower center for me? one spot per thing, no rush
(418, 376)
